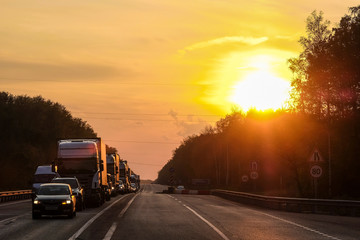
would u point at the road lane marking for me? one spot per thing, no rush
(300, 226)
(88, 223)
(203, 219)
(208, 223)
(288, 221)
(114, 225)
(110, 232)
(127, 206)
(7, 221)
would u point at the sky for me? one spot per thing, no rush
(148, 74)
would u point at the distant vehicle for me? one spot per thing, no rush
(121, 187)
(112, 161)
(54, 199)
(111, 184)
(124, 174)
(180, 187)
(86, 160)
(134, 178)
(76, 188)
(43, 174)
(133, 187)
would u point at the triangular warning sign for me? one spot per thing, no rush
(315, 156)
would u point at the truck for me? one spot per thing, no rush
(135, 181)
(124, 175)
(43, 174)
(112, 161)
(85, 159)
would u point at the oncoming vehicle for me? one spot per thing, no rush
(76, 188)
(54, 199)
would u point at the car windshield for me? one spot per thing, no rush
(71, 182)
(54, 190)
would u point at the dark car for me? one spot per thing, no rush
(54, 199)
(76, 188)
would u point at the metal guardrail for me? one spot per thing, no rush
(15, 195)
(304, 205)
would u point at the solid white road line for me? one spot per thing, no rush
(290, 222)
(114, 225)
(127, 206)
(203, 219)
(88, 223)
(110, 232)
(207, 222)
(300, 226)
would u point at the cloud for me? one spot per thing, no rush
(33, 71)
(225, 40)
(189, 126)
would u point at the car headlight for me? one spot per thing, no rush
(66, 202)
(36, 202)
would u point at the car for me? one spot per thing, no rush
(133, 187)
(76, 188)
(180, 187)
(121, 187)
(54, 199)
(43, 174)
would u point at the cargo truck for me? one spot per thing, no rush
(124, 175)
(85, 159)
(112, 161)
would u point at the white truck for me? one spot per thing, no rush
(43, 174)
(85, 159)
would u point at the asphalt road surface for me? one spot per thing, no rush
(149, 214)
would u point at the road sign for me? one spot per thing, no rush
(254, 175)
(315, 156)
(316, 171)
(245, 178)
(253, 166)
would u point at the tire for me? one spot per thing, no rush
(71, 215)
(36, 215)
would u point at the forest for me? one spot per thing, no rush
(30, 128)
(323, 115)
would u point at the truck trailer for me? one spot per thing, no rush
(85, 159)
(124, 175)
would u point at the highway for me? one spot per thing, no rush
(149, 214)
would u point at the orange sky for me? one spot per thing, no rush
(146, 74)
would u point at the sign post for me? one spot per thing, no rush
(315, 159)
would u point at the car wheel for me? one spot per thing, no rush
(71, 215)
(36, 215)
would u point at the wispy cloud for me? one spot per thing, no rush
(225, 40)
(34, 71)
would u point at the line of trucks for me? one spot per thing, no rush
(101, 175)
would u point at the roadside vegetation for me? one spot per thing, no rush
(30, 128)
(323, 113)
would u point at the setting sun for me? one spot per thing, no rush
(261, 90)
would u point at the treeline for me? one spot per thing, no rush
(29, 129)
(323, 113)
(281, 144)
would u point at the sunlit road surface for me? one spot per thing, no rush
(152, 215)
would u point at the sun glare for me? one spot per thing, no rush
(260, 89)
